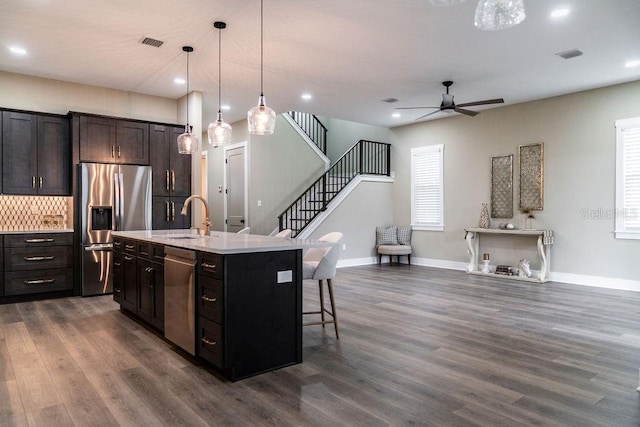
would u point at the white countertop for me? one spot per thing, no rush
(220, 242)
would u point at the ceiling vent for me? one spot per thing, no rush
(151, 42)
(390, 100)
(568, 54)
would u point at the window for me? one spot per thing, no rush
(627, 218)
(427, 188)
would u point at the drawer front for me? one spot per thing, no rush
(38, 239)
(36, 281)
(210, 265)
(209, 344)
(150, 251)
(210, 298)
(129, 246)
(16, 259)
(118, 244)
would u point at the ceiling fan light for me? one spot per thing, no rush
(262, 119)
(188, 143)
(219, 132)
(494, 15)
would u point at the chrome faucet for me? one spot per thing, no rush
(206, 224)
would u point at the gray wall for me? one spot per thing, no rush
(579, 173)
(281, 167)
(342, 135)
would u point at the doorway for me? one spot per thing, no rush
(235, 184)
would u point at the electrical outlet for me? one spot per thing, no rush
(344, 246)
(259, 203)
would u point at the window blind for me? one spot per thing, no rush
(427, 189)
(628, 178)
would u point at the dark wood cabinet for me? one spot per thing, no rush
(118, 274)
(171, 170)
(109, 140)
(171, 178)
(36, 154)
(165, 213)
(129, 299)
(38, 263)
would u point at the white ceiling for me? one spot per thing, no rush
(349, 54)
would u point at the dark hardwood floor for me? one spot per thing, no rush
(419, 346)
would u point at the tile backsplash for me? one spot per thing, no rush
(25, 213)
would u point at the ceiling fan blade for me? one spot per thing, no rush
(485, 102)
(427, 115)
(466, 112)
(412, 108)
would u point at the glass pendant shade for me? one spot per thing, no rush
(499, 14)
(219, 132)
(262, 119)
(188, 143)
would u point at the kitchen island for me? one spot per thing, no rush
(246, 304)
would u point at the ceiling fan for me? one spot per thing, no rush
(448, 105)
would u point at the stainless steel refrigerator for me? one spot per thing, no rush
(112, 197)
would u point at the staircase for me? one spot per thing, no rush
(364, 158)
(312, 127)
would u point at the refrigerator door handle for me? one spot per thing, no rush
(116, 201)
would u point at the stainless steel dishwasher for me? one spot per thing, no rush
(179, 304)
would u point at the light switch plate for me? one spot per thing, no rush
(285, 276)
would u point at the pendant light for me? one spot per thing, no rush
(499, 14)
(219, 132)
(188, 143)
(261, 119)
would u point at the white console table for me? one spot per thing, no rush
(544, 239)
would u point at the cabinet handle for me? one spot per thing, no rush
(168, 214)
(39, 240)
(113, 151)
(208, 299)
(173, 211)
(117, 291)
(129, 246)
(206, 265)
(117, 264)
(208, 341)
(39, 258)
(33, 182)
(41, 181)
(173, 180)
(128, 258)
(166, 179)
(39, 281)
(118, 151)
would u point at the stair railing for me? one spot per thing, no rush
(365, 157)
(312, 127)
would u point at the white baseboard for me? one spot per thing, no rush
(574, 279)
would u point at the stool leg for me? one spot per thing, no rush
(321, 301)
(333, 307)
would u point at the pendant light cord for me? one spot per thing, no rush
(261, 47)
(219, 68)
(189, 127)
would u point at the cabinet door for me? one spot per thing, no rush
(179, 221)
(19, 153)
(159, 137)
(118, 275)
(97, 139)
(157, 302)
(54, 156)
(132, 142)
(165, 213)
(145, 289)
(129, 283)
(180, 166)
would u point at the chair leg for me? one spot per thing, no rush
(390, 259)
(333, 307)
(409, 259)
(379, 259)
(321, 301)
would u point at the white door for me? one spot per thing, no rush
(235, 193)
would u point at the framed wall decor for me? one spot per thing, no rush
(502, 186)
(532, 176)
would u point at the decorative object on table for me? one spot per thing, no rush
(531, 176)
(528, 218)
(484, 217)
(502, 187)
(505, 270)
(523, 268)
(485, 263)
(506, 226)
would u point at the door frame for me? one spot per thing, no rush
(225, 171)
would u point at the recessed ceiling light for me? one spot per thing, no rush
(306, 96)
(225, 107)
(179, 81)
(395, 115)
(560, 13)
(632, 64)
(18, 50)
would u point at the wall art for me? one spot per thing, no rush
(502, 187)
(532, 176)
